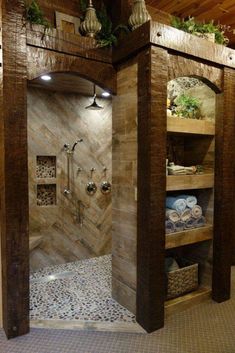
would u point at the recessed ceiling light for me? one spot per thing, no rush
(106, 94)
(46, 78)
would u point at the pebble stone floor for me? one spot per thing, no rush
(76, 291)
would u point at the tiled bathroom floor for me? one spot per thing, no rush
(76, 291)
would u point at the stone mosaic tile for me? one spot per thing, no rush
(76, 291)
(46, 194)
(46, 167)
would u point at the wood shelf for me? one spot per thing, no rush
(189, 182)
(190, 236)
(186, 301)
(65, 42)
(190, 126)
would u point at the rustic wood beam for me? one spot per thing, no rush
(173, 39)
(41, 61)
(152, 97)
(67, 43)
(224, 189)
(13, 171)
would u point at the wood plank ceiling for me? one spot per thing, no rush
(219, 11)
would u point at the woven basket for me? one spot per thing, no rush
(182, 281)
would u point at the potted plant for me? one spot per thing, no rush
(34, 14)
(211, 31)
(187, 107)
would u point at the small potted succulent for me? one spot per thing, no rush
(187, 107)
(211, 31)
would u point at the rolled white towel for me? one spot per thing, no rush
(172, 215)
(176, 203)
(196, 211)
(186, 214)
(190, 200)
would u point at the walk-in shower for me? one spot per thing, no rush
(74, 146)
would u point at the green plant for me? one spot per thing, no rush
(108, 36)
(187, 106)
(189, 25)
(34, 14)
(83, 5)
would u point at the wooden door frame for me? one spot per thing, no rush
(14, 172)
(22, 61)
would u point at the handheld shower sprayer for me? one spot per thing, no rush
(75, 144)
(69, 151)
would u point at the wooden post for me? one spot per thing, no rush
(224, 189)
(152, 97)
(13, 171)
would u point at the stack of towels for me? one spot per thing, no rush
(183, 212)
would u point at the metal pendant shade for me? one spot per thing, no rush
(94, 105)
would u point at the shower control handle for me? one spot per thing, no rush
(91, 188)
(105, 187)
(67, 192)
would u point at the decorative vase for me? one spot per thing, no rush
(139, 14)
(91, 25)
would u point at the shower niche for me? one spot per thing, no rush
(46, 195)
(46, 167)
(46, 172)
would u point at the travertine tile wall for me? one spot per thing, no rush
(124, 187)
(53, 120)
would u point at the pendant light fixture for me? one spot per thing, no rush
(94, 105)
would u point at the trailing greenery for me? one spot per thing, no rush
(189, 25)
(108, 36)
(83, 5)
(35, 15)
(187, 107)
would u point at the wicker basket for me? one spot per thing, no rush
(182, 281)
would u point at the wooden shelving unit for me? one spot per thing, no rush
(189, 182)
(194, 144)
(187, 237)
(185, 142)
